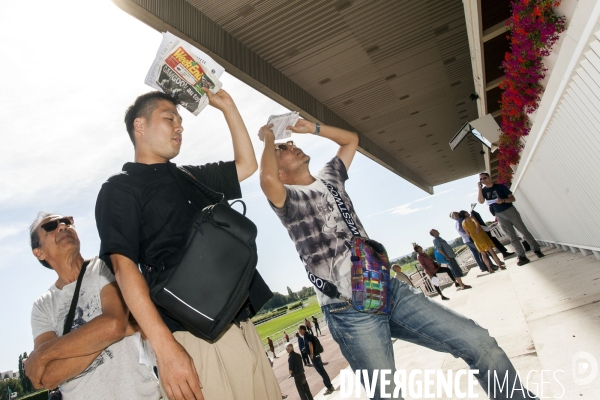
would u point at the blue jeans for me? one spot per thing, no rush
(318, 364)
(366, 339)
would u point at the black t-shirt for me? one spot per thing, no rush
(497, 191)
(295, 363)
(142, 213)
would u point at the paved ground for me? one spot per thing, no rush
(542, 314)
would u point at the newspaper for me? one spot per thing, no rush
(281, 122)
(182, 70)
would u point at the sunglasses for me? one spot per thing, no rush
(52, 225)
(284, 146)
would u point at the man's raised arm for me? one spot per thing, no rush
(243, 152)
(347, 140)
(176, 368)
(270, 183)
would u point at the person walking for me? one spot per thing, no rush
(297, 372)
(315, 322)
(286, 336)
(500, 199)
(481, 240)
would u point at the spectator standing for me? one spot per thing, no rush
(444, 249)
(468, 242)
(481, 240)
(315, 322)
(306, 342)
(297, 372)
(500, 199)
(308, 326)
(505, 253)
(286, 336)
(99, 358)
(305, 356)
(271, 346)
(432, 268)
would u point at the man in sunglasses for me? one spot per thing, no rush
(142, 213)
(322, 236)
(99, 357)
(500, 199)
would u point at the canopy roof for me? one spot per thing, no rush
(396, 72)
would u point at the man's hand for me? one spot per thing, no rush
(34, 369)
(265, 132)
(303, 126)
(220, 100)
(177, 372)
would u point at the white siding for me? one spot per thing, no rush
(558, 187)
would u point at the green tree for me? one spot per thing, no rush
(293, 296)
(11, 384)
(24, 380)
(429, 252)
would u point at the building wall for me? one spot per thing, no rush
(556, 182)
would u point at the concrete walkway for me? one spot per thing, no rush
(542, 314)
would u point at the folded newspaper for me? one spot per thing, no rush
(281, 122)
(182, 71)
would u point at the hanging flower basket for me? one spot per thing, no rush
(534, 28)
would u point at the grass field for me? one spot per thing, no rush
(295, 317)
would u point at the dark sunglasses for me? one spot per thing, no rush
(52, 225)
(284, 146)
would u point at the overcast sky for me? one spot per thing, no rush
(69, 70)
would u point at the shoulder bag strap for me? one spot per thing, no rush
(214, 197)
(71, 314)
(345, 211)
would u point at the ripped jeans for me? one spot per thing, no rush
(366, 339)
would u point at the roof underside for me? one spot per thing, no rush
(397, 72)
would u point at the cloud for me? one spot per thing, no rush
(405, 209)
(432, 196)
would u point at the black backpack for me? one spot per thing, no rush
(206, 285)
(317, 346)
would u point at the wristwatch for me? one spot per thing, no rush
(318, 131)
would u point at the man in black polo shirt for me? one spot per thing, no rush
(142, 214)
(297, 372)
(500, 199)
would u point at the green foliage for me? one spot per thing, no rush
(457, 242)
(294, 305)
(24, 380)
(429, 252)
(13, 384)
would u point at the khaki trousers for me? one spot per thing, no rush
(235, 367)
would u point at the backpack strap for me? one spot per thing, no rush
(71, 314)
